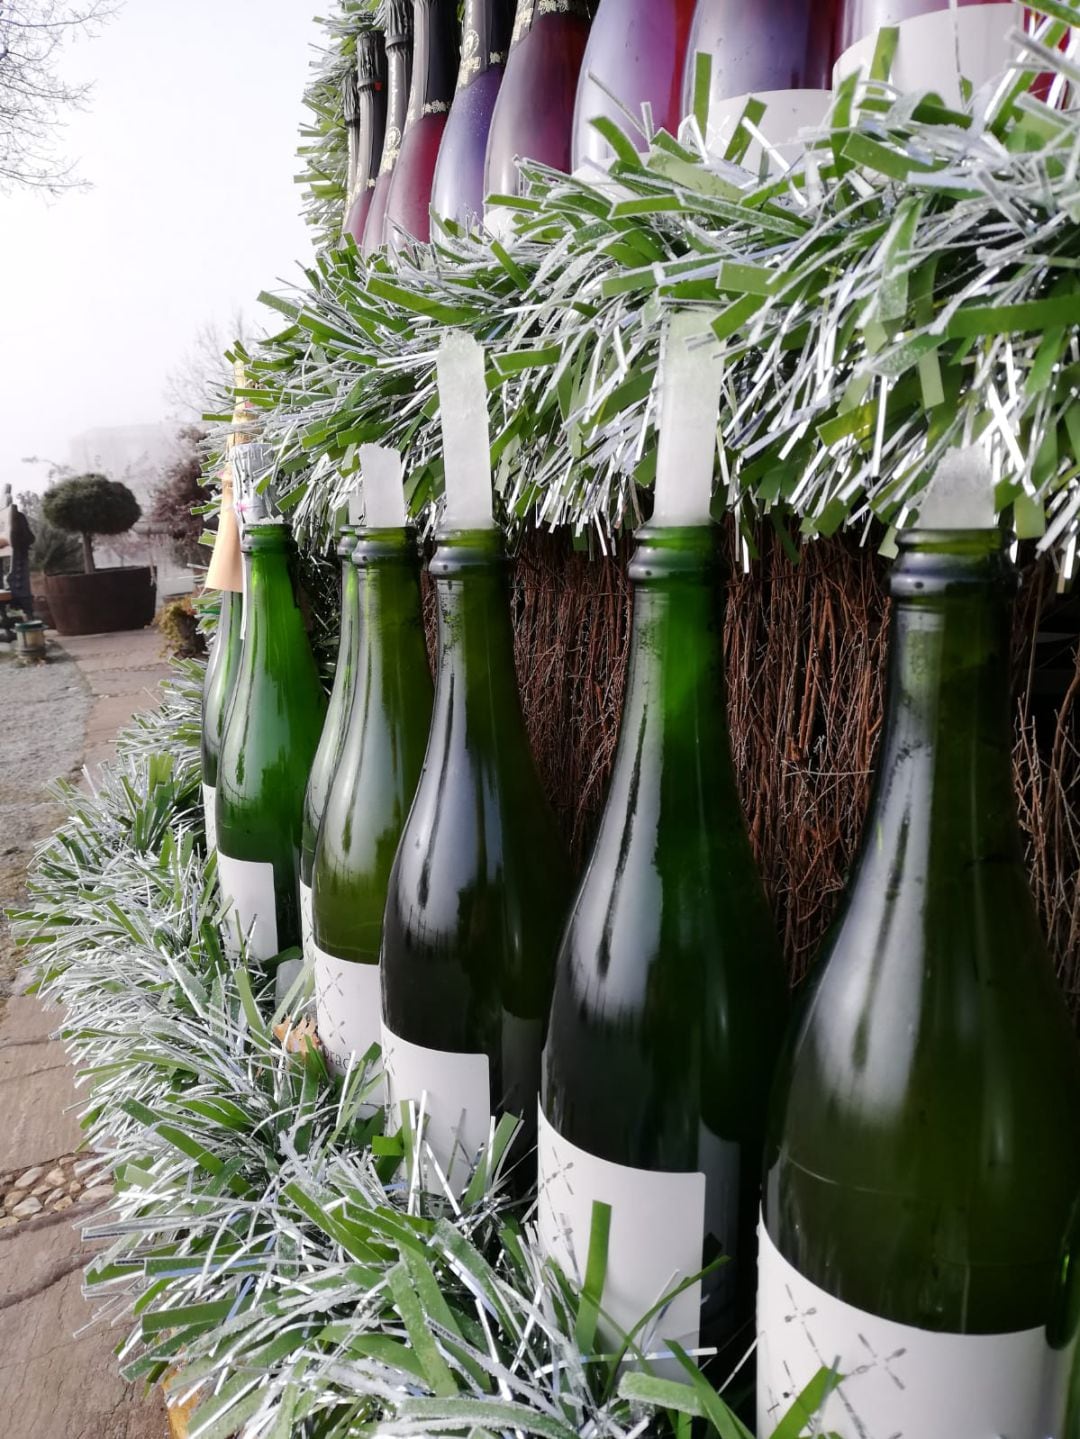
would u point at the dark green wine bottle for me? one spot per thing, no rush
(218, 684)
(923, 1156)
(369, 797)
(670, 995)
(271, 734)
(480, 886)
(333, 731)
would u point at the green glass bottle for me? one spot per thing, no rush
(670, 994)
(480, 886)
(333, 731)
(271, 734)
(371, 791)
(218, 684)
(923, 1157)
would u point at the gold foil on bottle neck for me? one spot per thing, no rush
(243, 420)
(226, 569)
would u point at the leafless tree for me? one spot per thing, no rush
(197, 383)
(35, 98)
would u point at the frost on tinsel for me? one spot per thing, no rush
(907, 287)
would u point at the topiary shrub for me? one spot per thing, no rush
(89, 505)
(54, 552)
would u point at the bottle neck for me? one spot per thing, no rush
(353, 138)
(476, 691)
(485, 37)
(532, 12)
(944, 801)
(350, 600)
(674, 710)
(371, 134)
(229, 619)
(269, 596)
(435, 60)
(399, 72)
(386, 565)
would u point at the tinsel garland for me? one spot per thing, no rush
(323, 151)
(261, 1234)
(908, 287)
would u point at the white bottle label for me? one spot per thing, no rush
(935, 50)
(348, 1000)
(656, 1239)
(787, 114)
(899, 1382)
(455, 1091)
(209, 804)
(307, 922)
(248, 885)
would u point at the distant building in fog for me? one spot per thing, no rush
(135, 454)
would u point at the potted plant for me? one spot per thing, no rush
(97, 601)
(54, 552)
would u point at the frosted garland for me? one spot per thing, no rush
(570, 426)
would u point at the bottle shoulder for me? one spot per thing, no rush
(923, 1053)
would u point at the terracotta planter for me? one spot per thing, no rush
(100, 603)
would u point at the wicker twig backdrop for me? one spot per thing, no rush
(806, 650)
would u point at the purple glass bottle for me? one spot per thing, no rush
(534, 114)
(435, 64)
(399, 50)
(366, 137)
(770, 45)
(458, 193)
(636, 50)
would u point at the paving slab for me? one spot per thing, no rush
(45, 709)
(37, 1088)
(123, 673)
(58, 1379)
(59, 1376)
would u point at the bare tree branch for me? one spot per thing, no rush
(35, 99)
(198, 383)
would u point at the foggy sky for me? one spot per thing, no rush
(190, 144)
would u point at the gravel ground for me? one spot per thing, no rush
(43, 709)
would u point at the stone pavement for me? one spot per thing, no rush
(122, 672)
(58, 1379)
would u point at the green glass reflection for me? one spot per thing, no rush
(273, 726)
(337, 712)
(670, 995)
(480, 886)
(924, 1157)
(218, 683)
(385, 735)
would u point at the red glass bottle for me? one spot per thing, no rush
(458, 193)
(636, 50)
(767, 46)
(399, 55)
(534, 114)
(435, 64)
(366, 137)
